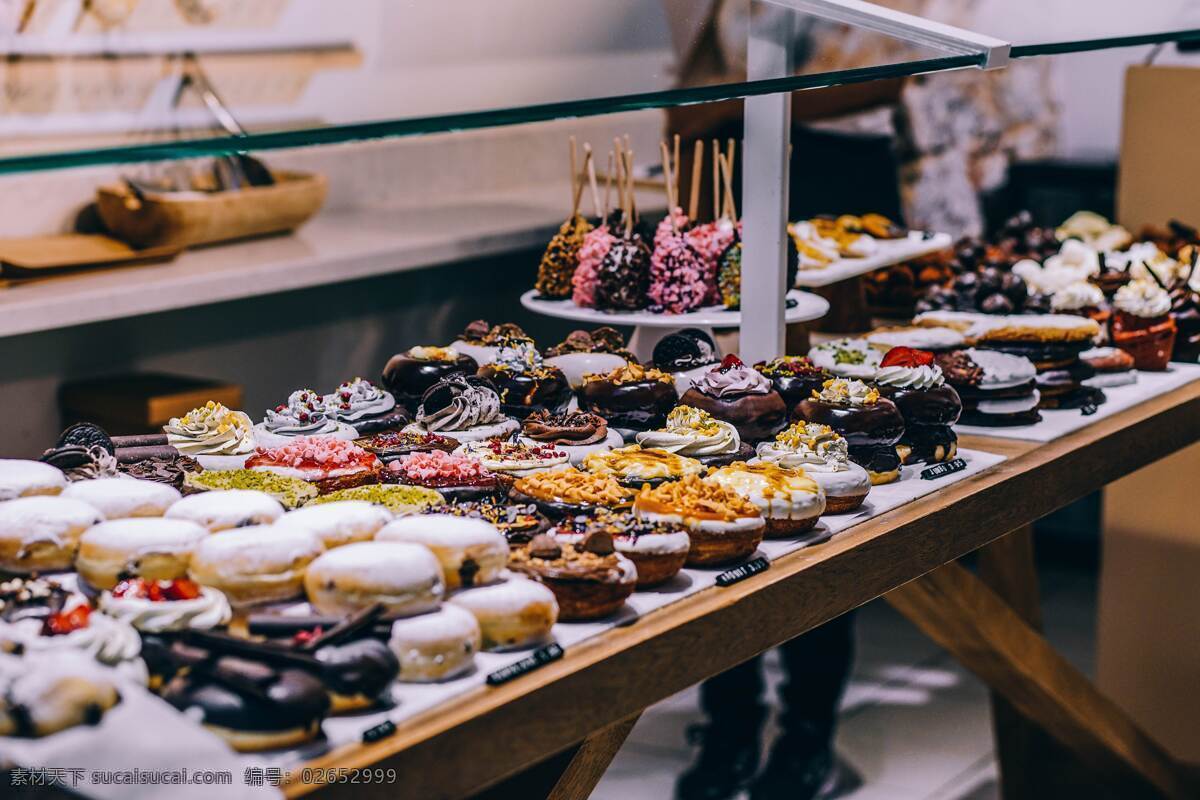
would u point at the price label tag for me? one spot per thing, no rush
(944, 469)
(538, 658)
(744, 571)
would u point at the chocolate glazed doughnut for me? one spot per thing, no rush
(741, 396)
(871, 432)
(632, 398)
(409, 374)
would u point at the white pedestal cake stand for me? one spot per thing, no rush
(649, 328)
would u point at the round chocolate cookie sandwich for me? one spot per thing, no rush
(741, 396)
(632, 398)
(870, 423)
(524, 381)
(410, 374)
(911, 380)
(794, 377)
(997, 389)
(686, 354)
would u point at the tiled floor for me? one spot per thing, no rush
(914, 724)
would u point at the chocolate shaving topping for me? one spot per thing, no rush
(476, 331)
(958, 368)
(544, 546)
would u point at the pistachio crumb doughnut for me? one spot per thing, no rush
(340, 522)
(227, 508)
(258, 564)
(120, 498)
(41, 533)
(22, 478)
(435, 646)
(471, 551)
(790, 501)
(406, 578)
(156, 549)
(512, 614)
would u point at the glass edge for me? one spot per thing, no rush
(447, 123)
(1103, 43)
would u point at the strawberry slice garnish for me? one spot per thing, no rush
(906, 357)
(729, 362)
(63, 622)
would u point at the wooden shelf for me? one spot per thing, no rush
(334, 247)
(492, 733)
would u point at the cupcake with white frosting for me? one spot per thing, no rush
(1142, 324)
(214, 435)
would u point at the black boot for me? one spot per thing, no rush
(803, 768)
(727, 761)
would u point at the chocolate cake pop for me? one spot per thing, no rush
(624, 274)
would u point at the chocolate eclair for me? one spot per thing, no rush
(741, 396)
(911, 380)
(870, 423)
(794, 377)
(590, 579)
(410, 374)
(524, 381)
(632, 398)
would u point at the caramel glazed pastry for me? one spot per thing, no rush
(464, 409)
(871, 424)
(570, 492)
(723, 526)
(634, 466)
(525, 382)
(658, 549)
(911, 380)
(590, 580)
(693, 433)
(632, 398)
(790, 501)
(825, 457)
(742, 396)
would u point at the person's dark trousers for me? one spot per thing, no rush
(816, 666)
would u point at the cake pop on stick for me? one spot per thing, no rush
(595, 245)
(676, 272)
(562, 253)
(624, 274)
(709, 239)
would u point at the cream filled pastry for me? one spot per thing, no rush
(515, 459)
(824, 456)
(231, 508)
(406, 578)
(306, 413)
(696, 434)
(870, 423)
(464, 409)
(634, 465)
(151, 548)
(166, 606)
(364, 406)
(339, 523)
(435, 646)
(41, 533)
(75, 628)
(214, 435)
(45, 694)
(790, 501)
(259, 564)
(21, 478)
(471, 551)
(914, 382)
(513, 613)
(119, 498)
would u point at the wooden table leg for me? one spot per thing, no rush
(962, 614)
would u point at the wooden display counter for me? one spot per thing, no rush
(580, 708)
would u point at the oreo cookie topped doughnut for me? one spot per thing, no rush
(742, 396)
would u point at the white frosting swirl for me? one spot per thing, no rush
(1142, 298)
(808, 445)
(473, 405)
(209, 610)
(1077, 296)
(109, 641)
(693, 432)
(848, 392)
(924, 376)
(732, 381)
(211, 430)
(358, 398)
(306, 414)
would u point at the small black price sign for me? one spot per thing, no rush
(941, 470)
(736, 574)
(538, 658)
(1087, 409)
(380, 731)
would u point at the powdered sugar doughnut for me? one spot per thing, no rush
(471, 551)
(512, 614)
(258, 564)
(41, 533)
(406, 578)
(157, 549)
(435, 646)
(339, 523)
(228, 508)
(119, 498)
(21, 478)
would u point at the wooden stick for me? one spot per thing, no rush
(697, 164)
(629, 189)
(587, 160)
(726, 176)
(730, 150)
(718, 212)
(675, 169)
(666, 157)
(574, 178)
(590, 166)
(619, 175)
(608, 182)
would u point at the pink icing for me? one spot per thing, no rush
(676, 270)
(709, 241)
(721, 382)
(438, 465)
(596, 244)
(323, 450)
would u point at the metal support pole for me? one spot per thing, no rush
(765, 151)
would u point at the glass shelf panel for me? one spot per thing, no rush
(366, 69)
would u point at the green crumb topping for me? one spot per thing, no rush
(392, 497)
(848, 356)
(291, 492)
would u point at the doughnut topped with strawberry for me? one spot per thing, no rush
(929, 405)
(741, 396)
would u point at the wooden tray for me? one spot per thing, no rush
(186, 219)
(38, 256)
